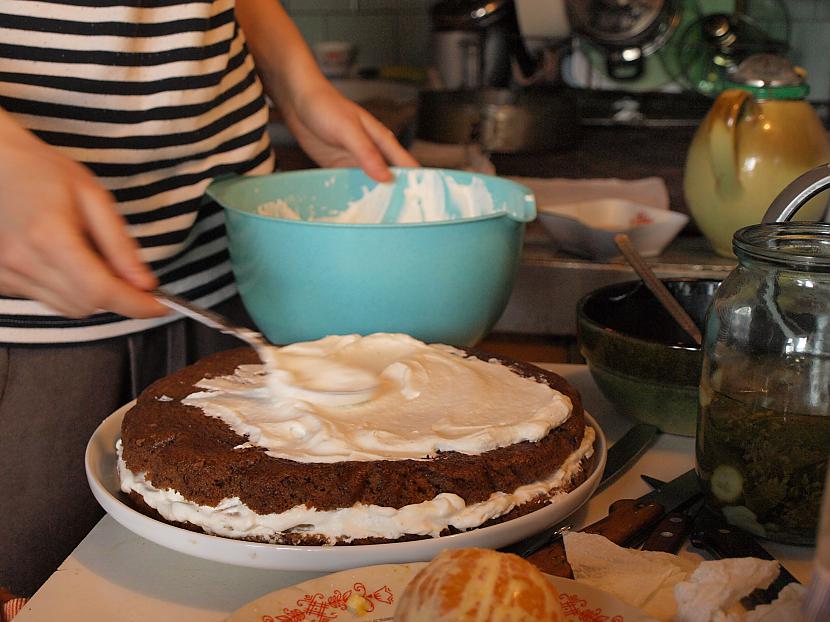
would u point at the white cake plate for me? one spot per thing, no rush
(103, 480)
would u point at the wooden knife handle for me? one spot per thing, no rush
(670, 533)
(626, 519)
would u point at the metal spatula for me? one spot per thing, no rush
(215, 320)
(263, 348)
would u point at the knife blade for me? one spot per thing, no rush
(627, 520)
(626, 450)
(620, 456)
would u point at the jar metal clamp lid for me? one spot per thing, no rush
(803, 243)
(797, 193)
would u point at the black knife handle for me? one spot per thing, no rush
(528, 546)
(713, 534)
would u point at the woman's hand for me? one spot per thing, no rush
(333, 130)
(336, 132)
(61, 240)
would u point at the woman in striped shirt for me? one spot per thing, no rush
(115, 115)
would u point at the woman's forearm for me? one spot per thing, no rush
(331, 129)
(285, 64)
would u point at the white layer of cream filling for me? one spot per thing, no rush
(233, 519)
(415, 401)
(428, 196)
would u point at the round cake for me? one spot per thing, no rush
(352, 440)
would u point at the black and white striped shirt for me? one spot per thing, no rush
(157, 98)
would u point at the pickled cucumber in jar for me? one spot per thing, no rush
(763, 435)
(762, 466)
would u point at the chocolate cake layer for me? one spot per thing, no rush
(299, 538)
(179, 447)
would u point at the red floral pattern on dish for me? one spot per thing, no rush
(577, 609)
(319, 607)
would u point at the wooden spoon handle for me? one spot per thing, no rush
(657, 288)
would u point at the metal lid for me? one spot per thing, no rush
(769, 76)
(615, 21)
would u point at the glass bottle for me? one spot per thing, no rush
(763, 434)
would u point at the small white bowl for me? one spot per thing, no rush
(587, 229)
(335, 57)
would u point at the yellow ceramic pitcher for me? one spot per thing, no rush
(758, 137)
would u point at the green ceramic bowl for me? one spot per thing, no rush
(641, 360)
(304, 278)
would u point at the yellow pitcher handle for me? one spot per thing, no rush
(723, 140)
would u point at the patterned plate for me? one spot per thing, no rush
(369, 595)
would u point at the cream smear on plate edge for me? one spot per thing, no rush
(418, 384)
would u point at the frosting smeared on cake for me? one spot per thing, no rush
(415, 400)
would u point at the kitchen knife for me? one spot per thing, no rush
(711, 532)
(627, 520)
(671, 532)
(620, 456)
(626, 450)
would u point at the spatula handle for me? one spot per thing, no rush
(656, 286)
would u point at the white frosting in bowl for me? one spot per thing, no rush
(415, 400)
(417, 196)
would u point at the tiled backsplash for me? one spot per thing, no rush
(810, 40)
(386, 32)
(396, 32)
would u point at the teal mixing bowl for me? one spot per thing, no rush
(302, 277)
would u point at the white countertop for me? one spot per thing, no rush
(116, 575)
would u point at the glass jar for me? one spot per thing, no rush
(763, 435)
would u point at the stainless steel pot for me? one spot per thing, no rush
(500, 120)
(474, 43)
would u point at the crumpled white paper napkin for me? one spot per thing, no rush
(676, 589)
